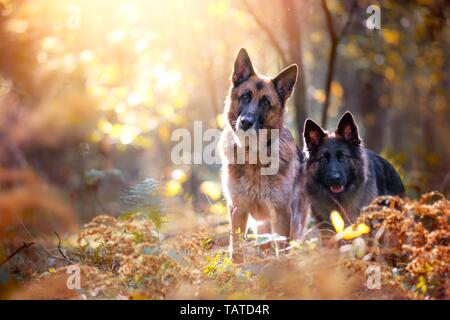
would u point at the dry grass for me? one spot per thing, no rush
(127, 259)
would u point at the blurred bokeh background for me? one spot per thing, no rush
(90, 91)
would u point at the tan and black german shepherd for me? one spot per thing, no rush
(257, 103)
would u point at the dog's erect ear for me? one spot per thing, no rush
(347, 129)
(285, 82)
(243, 68)
(313, 134)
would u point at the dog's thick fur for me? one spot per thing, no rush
(258, 102)
(343, 175)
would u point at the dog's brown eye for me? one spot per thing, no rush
(265, 103)
(323, 159)
(245, 98)
(342, 157)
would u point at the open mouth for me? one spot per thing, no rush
(337, 189)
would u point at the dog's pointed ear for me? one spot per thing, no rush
(313, 134)
(347, 129)
(285, 82)
(243, 68)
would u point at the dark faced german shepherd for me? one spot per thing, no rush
(257, 102)
(343, 175)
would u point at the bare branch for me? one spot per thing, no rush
(334, 38)
(349, 21)
(329, 20)
(25, 245)
(331, 61)
(268, 31)
(59, 249)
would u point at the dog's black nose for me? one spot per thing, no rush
(246, 122)
(336, 179)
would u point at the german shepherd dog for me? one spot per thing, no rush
(341, 174)
(257, 102)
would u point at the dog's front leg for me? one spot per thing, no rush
(238, 220)
(281, 224)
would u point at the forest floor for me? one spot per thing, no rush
(403, 252)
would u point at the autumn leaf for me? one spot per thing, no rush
(391, 36)
(337, 221)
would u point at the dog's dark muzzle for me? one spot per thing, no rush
(336, 182)
(247, 121)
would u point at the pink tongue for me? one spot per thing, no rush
(337, 189)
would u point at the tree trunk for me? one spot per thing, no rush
(292, 30)
(329, 79)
